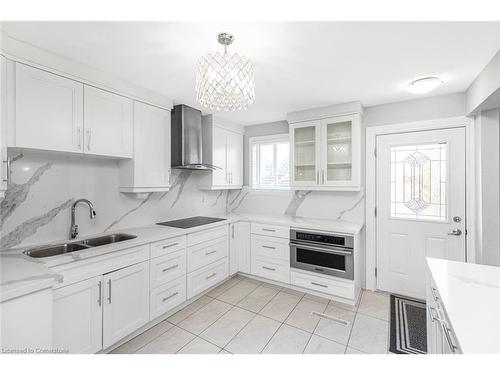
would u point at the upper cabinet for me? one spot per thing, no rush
(108, 123)
(48, 111)
(55, 113)
(326, 153)
(222, 148)
(149, 170)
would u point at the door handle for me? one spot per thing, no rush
(99, 299)
(455, 232)
(109, 295)
(89, 135)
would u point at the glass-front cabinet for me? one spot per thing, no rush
(326, 153)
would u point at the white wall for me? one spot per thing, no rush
(484, 93)
(434, 107)
(487, 225)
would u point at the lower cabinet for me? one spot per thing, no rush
(206, 277)
(167, 296)
(234, 248)
(126, 302)
(93, 314)
(77, 316)
(244, 258)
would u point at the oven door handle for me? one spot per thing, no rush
(322, 249)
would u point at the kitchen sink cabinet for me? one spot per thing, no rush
(125, 302)
(149, 170)
(77, 317)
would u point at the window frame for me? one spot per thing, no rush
(274, 138)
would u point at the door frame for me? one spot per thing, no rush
(371, 183)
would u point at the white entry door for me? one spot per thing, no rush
(420, 205)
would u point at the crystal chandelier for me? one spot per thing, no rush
(225, 81)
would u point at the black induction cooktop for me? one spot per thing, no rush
(191, 222)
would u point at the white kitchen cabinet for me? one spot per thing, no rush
(149, 170)
(325, 154)
(48, 111)
(77, 318)
(234, 248)
(244, 258)
(108, 123)
(26, 322)
(222, 148)
(3, 127)
(126, 302)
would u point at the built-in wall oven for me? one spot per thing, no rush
(323, 253)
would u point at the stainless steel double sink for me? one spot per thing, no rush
(63, 248)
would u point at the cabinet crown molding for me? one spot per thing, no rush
(325, 112)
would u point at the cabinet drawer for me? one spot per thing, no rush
(206, 253)
(333, 286)
(271, 230)
(273, 269)
(167, 296)
(167, 267)
(206, 277)
(167, 246)
(270, 247)
(207, 235)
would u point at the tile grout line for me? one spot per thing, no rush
(354, 321)
(314, 329)
(281, 325)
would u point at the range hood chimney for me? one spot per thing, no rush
(186, 139)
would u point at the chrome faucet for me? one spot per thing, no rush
(74, 227)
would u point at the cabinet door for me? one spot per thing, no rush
(244, 247)
(126, 302)
(107, 123)
(3, 125)
(49, 111)
(77, 318)
(235, 158)
(340, 151)
(220, 175)
(234, 244)
(151, 146)
(304, 139)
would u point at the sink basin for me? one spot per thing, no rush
(105, 240)
(52, 250)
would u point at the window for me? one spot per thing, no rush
(418, 182)
(269, 166)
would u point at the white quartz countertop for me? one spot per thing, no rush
(19, 275)
(470, 294)
(22, 274)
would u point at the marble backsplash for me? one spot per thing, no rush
(36, 207)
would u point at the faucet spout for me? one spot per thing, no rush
(74, 227)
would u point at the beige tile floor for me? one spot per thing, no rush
(247, 316)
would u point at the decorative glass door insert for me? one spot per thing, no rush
(339, 151)
(305, 153)
(419, 182)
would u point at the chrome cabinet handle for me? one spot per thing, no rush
(323, 176)
(317, 177)
(211, 252)
(321, 285)
(109, 289)
(455, 232)
(212, 275)
(170, 268)
(88, 139)
(233, 231)
(269, 247)
(446, 332)
(79, 136)
(7, 170)
(269, 268)
(170, 296)
(268, 230)
(171, 245)
(99, 299)
(431, 313)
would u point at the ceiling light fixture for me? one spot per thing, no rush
(424, 85)
(225, 81)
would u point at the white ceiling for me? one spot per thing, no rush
(298, 65)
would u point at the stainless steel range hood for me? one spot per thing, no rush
(186, 139)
